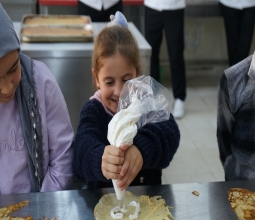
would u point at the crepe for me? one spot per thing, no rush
(5, 211)
(151, 207)
(16, 218)
(242, 202)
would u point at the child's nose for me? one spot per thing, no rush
(6, 87)
(118, 89)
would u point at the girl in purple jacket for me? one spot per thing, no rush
(36, 134)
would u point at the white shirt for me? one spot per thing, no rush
(99, 4)
(238, 4)
(161, 5)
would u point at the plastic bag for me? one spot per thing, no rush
(142, 100)
(155, 100)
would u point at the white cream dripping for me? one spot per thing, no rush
(121, 130)
(137, 209)
(115, 212)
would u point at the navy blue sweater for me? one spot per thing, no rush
(157, 143)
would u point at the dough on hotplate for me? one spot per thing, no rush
(242, 202)
(151, 207)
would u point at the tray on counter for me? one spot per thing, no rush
(56, 28)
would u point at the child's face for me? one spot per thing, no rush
(111, 78)
(10, 74)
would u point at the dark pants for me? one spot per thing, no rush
(99, 16)
(172, 21)
(239, 25)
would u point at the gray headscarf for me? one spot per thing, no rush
(26, 98)
(8, 37)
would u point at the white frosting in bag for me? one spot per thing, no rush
(122, 130)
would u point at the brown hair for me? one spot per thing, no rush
(113, 40)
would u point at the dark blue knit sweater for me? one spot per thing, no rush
(157, 143)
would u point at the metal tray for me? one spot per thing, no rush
(55, 32)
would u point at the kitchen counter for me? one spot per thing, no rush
(211, 204)
(70, 63)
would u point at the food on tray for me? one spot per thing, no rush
(56, 28)
(150, 207)
(16, 218)
(242, 202)
(56, 20)
(55, 32)
(54, 218)
(6, 211)
(25, 218)
(195, 193)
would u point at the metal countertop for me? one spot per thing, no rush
(81, 49)
(211, 204)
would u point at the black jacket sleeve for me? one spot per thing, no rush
(158, 143)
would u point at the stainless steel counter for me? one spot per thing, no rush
(211, 204)
(70, 63)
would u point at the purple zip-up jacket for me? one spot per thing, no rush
(57, 137)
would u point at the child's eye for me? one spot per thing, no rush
(125, 80)
(13, 70)
(109, 82)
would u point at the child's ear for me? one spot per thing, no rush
(95, 78)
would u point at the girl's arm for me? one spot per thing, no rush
(158, 143)
(90, 142)
(60, 138)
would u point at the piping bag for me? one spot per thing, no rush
(142, 100)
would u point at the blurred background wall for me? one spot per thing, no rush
(204, 29)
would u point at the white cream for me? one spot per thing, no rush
(137, 210)
(122, 130)
(115, 212)
(118, 191)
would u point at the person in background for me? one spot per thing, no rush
(99, 10)
(115, 60)
(168, 15)
(236, 120)
(36, 134)
(239, 17)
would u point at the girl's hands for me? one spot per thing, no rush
(122, 163)
(112, 161)
(132, 165)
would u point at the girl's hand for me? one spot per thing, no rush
(112, 161)
(132, 165)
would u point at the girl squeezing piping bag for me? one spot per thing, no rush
(142, 100)
(138, 143)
